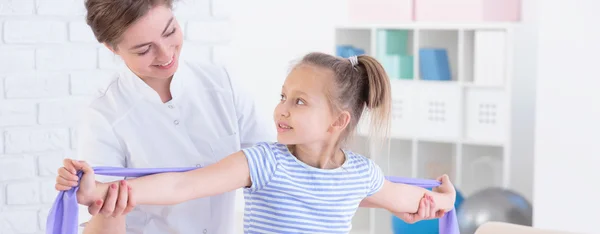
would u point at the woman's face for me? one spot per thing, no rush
(151, 46)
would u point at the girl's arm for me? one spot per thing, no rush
(403, 198)
(176, 187)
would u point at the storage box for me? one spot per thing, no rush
(403, 108)
(467, 10)
(392, 42)
(398, 66)
(393, 52)
(346, 51)
(486, 115)
(434, 64)
(489, 60)
(380, 11)
(438, 110)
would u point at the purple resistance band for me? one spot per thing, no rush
(63, 218)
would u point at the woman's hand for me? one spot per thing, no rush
(427, 210)
(118, 201)
(67, 178)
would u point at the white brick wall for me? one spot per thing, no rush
(50, 66)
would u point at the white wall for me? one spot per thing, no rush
(567, 120)
(523, 100)
(269, 34)
(50, 64)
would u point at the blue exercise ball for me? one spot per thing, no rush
(422, 227)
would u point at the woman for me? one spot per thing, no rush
(164, 112)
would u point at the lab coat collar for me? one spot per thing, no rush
(145, 91)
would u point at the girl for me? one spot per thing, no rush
(307, 181)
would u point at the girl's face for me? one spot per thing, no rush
(304, 114)
(150, 47)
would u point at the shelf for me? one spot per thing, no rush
(429, 25)
(435, 159)
(400, 158)
(383, 221)
(360, 231)
(461, 126)
(395, 49)
(482, 86)
(360, 144)
(440, 39)
(466, 141)
(395, 82)
(438, 139)
(357, 38)
(484, 61)
(481, 168)
(361, 221)
(482, 142)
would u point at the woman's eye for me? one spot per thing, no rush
(145, 52)
(171, 33)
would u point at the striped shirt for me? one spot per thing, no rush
(289, 196)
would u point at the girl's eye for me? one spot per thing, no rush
(282, 98)
(300, 102)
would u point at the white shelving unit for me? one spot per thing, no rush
(460, 127)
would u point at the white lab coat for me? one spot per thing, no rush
(209, 117)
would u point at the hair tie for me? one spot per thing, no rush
(353, 60)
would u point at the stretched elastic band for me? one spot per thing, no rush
(64, 215)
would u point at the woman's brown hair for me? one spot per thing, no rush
(110, 18)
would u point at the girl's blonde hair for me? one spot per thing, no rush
(357, 88)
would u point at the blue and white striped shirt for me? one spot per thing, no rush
(289, 196)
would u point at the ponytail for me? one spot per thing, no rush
(378, 98)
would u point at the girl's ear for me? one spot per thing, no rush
(342, 121)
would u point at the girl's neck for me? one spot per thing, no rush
(323, 156)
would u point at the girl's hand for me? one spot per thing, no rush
(427, 210)
(67, 179)
(446, 188)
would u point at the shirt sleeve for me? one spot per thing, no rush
(376, 178)
(98, 145)
(254, 125)
(262, 164)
